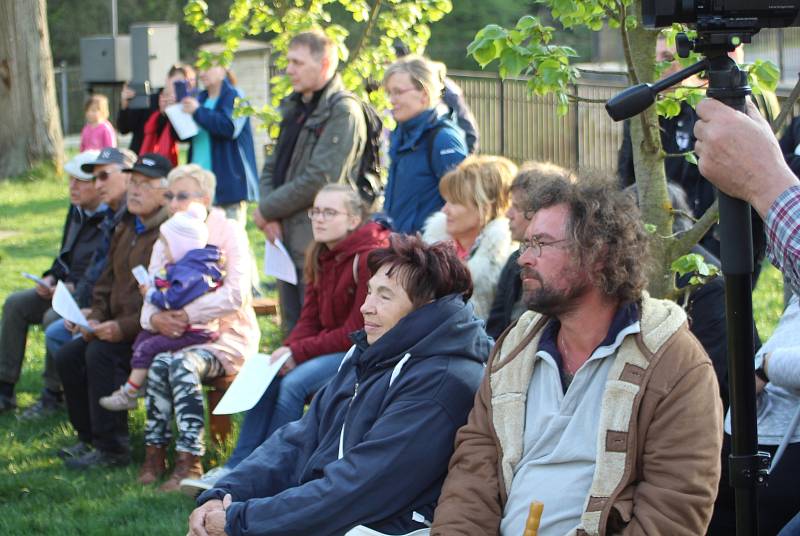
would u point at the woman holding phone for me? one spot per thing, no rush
(223, 145)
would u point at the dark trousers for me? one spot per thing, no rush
(778, 502)
(291, 300)
(20, 311)
(89, 371)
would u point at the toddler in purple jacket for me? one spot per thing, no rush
(193, 270)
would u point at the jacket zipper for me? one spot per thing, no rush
(344, 421)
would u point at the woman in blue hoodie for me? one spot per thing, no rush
(223, 144)
(425, 144)
(371, 453)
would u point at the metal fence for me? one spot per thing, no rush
(521, 126)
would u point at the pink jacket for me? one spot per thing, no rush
(98, 136)
(231, 303)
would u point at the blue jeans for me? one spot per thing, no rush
(282, 403)
(792, 528)
(57, 335)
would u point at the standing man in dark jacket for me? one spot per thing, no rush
(94, 365)
(322, 140)
(372, 449)
(27, 307)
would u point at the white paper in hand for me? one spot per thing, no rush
(184, 124)
(35, 279)
(251, 382)
(64, 304)
(278, 263)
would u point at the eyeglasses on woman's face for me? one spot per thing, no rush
(326, 214)
(181, 196)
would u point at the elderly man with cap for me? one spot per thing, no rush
(95, 364)
(104, 171)
(32, 306)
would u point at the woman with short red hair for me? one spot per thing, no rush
(371, 452)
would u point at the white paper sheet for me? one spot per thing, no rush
(184, 124)
(253, 379)
(278, 263)
(35, 279)
(140, 273)
(64, 305)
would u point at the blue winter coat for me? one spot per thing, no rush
(186, 280)
(233, 157)
(412, 191)
(397, 437)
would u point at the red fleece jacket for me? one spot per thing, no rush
(331, 310)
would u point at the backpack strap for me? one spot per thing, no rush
(430, 137)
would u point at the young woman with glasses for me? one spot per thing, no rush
(336, 276)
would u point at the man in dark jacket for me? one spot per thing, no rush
(322, 140)
(27, 307)
(95, 364)
(372, 449)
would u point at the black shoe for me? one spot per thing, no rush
(98, 458)
(47, 405)
(8, 403)
(75, 451)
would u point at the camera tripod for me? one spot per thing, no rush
(728, 84)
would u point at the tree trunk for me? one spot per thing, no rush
(648, 164)
(30, 132)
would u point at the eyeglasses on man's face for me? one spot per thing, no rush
(535, 245)
(326, 214)
(104, 175)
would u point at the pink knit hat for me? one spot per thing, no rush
(186, 231)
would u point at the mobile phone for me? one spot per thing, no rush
(182, 89)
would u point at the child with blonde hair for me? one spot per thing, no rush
(98, 132)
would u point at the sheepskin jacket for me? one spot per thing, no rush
(486, 260)
(658, 443)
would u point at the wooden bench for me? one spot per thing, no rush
(266, 307)
(221, 424)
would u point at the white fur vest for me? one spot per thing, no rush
(486, 260)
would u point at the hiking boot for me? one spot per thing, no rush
(8, 403)
(195, 486)
(98, 458)
(186, 466)
(155, 464)
(48, 404)
(120, 400)
(75, 451)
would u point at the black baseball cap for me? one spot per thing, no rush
(151, 165)
(110, 155)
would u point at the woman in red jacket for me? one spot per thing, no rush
(336, 276)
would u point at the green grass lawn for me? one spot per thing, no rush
(37, 494)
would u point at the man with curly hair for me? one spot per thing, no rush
(597, 402)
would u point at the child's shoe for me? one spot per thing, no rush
(120, 400)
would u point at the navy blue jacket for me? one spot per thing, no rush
(233, 157)
(412, 190)
(397, 439)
